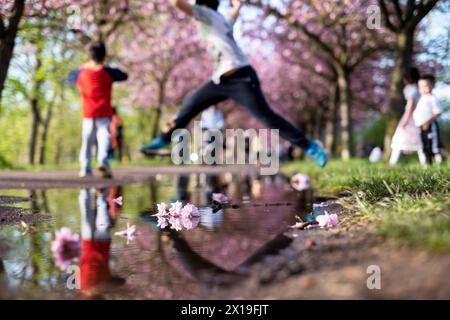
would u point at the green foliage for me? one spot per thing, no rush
(373, 133)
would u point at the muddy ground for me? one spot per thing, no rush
(334, 267)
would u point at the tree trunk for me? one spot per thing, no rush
(44, 133)
(330, 125)
(318, 122)
(35, 112)
(345, 107)
(7, 41)
(155, 122)
(34, 131)
(396, 102)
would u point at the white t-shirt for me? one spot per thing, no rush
(218, 34)
(427, 107)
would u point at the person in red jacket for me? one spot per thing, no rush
(95, 80)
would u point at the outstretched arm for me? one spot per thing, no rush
(116, 74)
(183, 5)
(235, 8)
(73, 77)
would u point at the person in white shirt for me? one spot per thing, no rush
(425, 116)
(407, 138)
(233, 78)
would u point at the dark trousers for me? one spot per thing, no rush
(244, 88)
(431, 141)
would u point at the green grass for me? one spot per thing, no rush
(406, 203)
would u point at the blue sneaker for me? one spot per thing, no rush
(318, 154)
(156, 144)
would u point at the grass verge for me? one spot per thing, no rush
(406, 203)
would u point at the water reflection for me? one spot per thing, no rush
(158, 263)
(99, 212)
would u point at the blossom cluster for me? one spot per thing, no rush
(177, 216)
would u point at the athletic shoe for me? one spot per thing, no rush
(317, 153)
(105, 171)
(156, 144)
(85, 173)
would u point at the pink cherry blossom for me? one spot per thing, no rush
(129, 233)
(327, 220)
(175, 223)
(176, 208)
(162, 222)
(119, 201)
(65, 247)
(190, 223)
(301, 182)
(178, 216)
(220, 197)
(189, 211)
(162, 210)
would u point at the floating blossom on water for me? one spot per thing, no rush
(162, 210)
(327, 220)
(301, 182)
(175, 223)
(162, 222)
(190, 211)
(175, 209)
(178, 216)
(129, 233)
(119, 201)
(65, 247)
(220, 198)
(190, 223)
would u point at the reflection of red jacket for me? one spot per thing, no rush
(94, 263)
(113, 209)
(116, 129)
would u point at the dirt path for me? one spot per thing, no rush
(336, 267)
(70, 179)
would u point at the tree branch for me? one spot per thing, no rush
(422, 10)
(2, 27)
(312, 36)
(386, 16)
(398, 11)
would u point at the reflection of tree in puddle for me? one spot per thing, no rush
(27, 266)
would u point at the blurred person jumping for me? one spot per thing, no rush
(233, 78)
(95, 80)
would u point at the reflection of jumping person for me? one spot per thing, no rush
(233, 78)
(95, 83)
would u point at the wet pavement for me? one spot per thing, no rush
(219, 252)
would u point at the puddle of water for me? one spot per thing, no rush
(158, 263)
